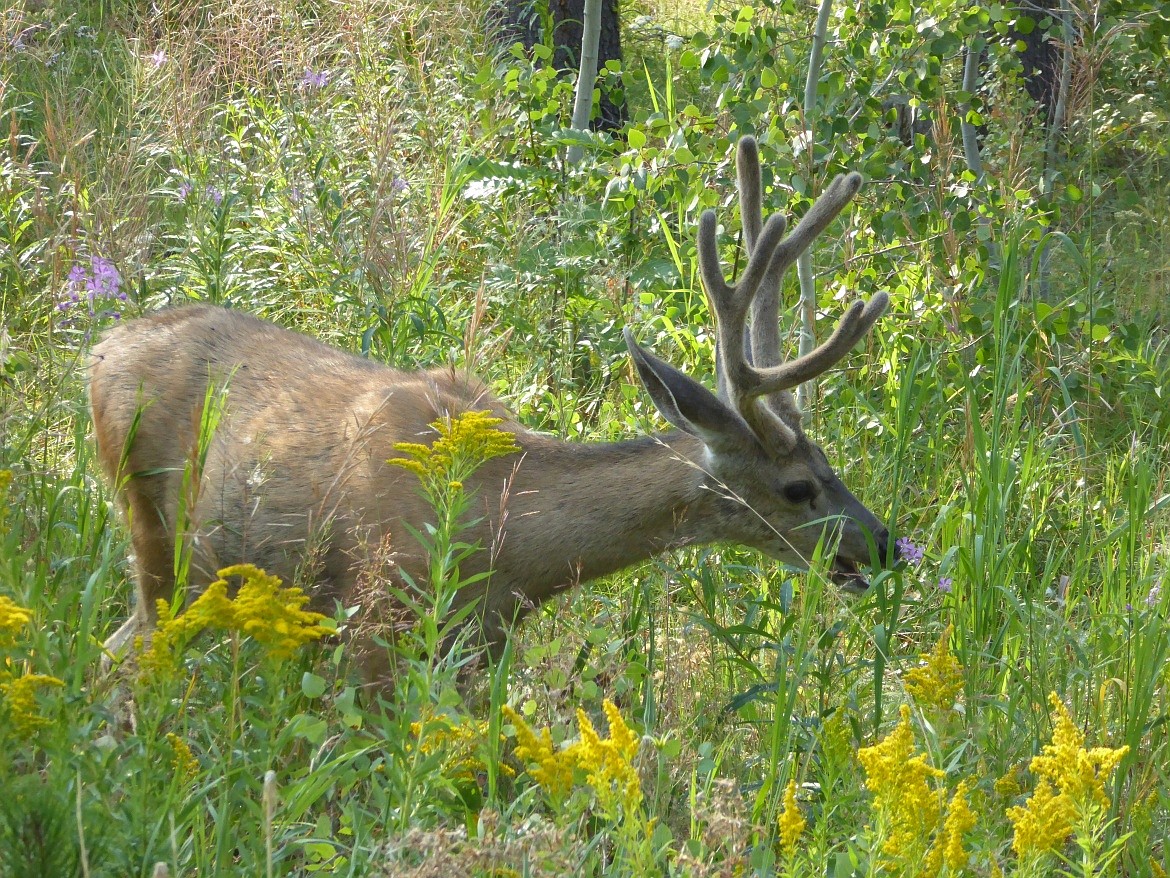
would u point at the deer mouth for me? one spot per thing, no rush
(848, 577)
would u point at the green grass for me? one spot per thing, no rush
(412, 209)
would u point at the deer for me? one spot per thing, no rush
(298, 461)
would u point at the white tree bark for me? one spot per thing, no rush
(804, 264)
(587, 77)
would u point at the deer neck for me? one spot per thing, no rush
(582, 511)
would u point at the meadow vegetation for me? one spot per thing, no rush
(387, 176)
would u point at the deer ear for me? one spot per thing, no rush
(687, 404)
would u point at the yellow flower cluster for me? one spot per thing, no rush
(12, 619)
(940, 679)
(458, 740)
(263, 609)
(20, 696)
(791, 820)
(909, 810)
(1043, 822)
(1008, 786)
(606, 763)
(465, 441)
(609, 763)
(183, 761)
(1071, 786)
(960, 820)
(898, 779)
(554, 767)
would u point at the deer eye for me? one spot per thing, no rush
(799, 492)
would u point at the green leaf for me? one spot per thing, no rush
(312, 685)
(635, 138)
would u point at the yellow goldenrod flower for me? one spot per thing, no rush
(1080, 774)
(837, 739)
(1071, 786)
(554, 768)
(960, 820)
(1043, 822)
(263, 609)
(457, 740)
(465, 441)
(1156, 869)
(271, 614)
(902, 796)
(12, 619)
(1008, 786)
(20, 696)
(940, 679)
(623, 739)
(791, 820)
(212, 609)
(607, 763)
(183, 761)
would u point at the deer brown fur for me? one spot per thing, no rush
(294, 477)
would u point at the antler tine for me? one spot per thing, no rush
(747, 166)
(729, 302)
(762, 337)
(858, 320)
(765, 310)
(818, 218)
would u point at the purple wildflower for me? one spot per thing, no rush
(312, 80)
(185, 190)
(1155, 595)
(909, 551)
(946, 584)
(398, 185)
(104, 281)
(158, 57)
(101, 282)
(215, 195)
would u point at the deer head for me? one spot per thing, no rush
(781, 493)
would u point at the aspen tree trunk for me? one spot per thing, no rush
(1055, 128)
(971, 136)
(583, 106)
(804, 265)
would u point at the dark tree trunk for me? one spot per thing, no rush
(1041, 54)
(522, 20)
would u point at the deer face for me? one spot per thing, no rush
(778, 491)
(785, 504)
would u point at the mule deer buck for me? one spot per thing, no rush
(299, 457)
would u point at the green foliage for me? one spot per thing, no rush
(388, 179)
